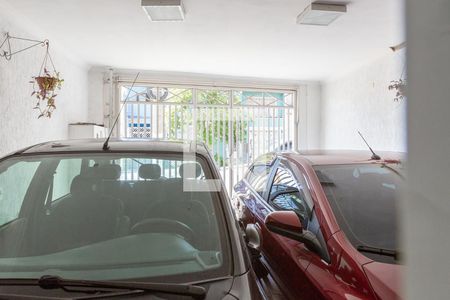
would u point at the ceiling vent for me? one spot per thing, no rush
(321, 14)
(164, 10)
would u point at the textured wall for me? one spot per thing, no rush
(361, 101)
(309, 113)
(96, 97)
(19, 126)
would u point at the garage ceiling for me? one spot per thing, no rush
(257, 38)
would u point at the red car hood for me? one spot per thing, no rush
(385, 279)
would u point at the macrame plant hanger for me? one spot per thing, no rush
(47, 57)
(47, 82)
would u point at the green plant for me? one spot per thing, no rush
(221, 162)
(212, 130)
(44, 90)
(400, 87)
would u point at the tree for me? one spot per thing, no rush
(210, 131)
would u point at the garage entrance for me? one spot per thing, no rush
(237, 125)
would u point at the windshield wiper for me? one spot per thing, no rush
(55, 282)
(384, 165)
(380, 251)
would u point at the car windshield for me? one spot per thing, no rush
(110, 217)
(364, 201)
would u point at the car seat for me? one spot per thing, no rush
(184, 206)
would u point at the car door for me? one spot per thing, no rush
(243, 199)
(251, 187)
(286, 258)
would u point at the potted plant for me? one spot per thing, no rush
(45, 87)
(400, 87)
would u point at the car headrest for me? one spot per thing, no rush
(150, 171)
(191, 168)
(82, 184)
(111, 172)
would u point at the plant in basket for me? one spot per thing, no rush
(45, 87)
(399, 86)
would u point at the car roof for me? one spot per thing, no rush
(336, 157)
(115, 145)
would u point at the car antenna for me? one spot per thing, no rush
(374, 155)
(105, 144)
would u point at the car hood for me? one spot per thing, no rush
(385, 279)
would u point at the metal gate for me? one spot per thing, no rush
(236, 125)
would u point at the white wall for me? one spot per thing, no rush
(309, 110)
(361, 101)
(427, 201)
(19, 126)
(96, 96)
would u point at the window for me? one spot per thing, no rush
(213, 97)
(257, 178)
(65, 172)
(243, 123)
(14, 182)
(364, 202)
(286, 195)
(170, 168)
(98, 214)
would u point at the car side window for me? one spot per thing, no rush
(257, 177)
(286, 195)
(14, 184)
(64, 174)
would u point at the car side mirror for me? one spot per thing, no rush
(253, 239)
(285, 223)
(288, 224)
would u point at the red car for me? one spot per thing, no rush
(324, 224)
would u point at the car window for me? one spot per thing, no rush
(113, 221)
(169, 168)
(364, 202)
(286, 195)
(14, 183)
(64, 174)
(258, 177)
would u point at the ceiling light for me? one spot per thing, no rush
(164, 10)
(321, 14)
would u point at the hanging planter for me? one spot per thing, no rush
(45, 86)
(46, 83)
(399, 86)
